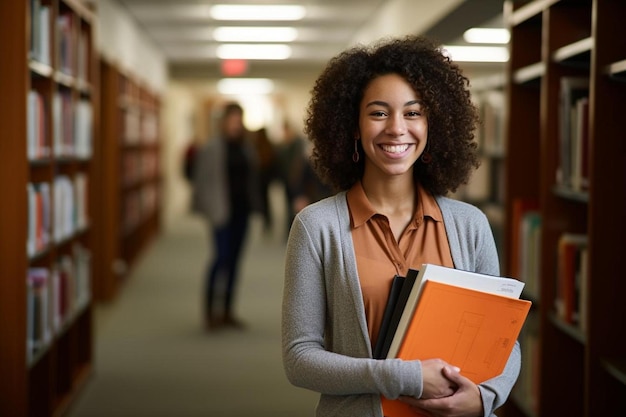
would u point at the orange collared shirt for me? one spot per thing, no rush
(379, 256)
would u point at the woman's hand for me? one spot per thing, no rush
(464, 401)
(435, 383)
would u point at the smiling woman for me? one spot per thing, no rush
(392, 128)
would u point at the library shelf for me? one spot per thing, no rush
(46, 242)
(553, 42)
(131, 180)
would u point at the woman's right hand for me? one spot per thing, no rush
(435, 384)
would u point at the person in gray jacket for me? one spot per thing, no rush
(225, 193)
(392, 127)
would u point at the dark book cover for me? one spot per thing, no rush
(398, 296)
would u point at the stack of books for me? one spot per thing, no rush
(467, 319)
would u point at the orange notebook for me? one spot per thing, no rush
(473, 330)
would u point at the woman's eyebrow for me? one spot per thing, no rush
(377, 103)
(412, 102)
(385, 104)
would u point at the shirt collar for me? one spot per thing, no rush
(361, 210)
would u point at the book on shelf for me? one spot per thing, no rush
(571, 286)
(523, 210)
(149, 127)
(55, 295)
(149, 199)
(83, 130)
(40, 32)
(149, 165)
(39, 310)
(70, 205)
(580, 145)
(66, 53)
(132, 126)
(81, 197)
(468, 319)
(530, 251)
(82, 56)
(63, 121)
(39, 218)
(37, 146)
(573, 131)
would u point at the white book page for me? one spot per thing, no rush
(507, 287)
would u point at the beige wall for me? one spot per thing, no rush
(122, 42)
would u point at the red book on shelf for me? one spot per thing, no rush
(569, 270)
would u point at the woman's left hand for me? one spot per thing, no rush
(465, 402)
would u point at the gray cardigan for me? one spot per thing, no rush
(325, 342)
(210, 182)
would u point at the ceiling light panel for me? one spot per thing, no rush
(237, 86)
(255, 34)
(487, 35)
(162, 12)
(253, 51)
(477, 53)
(257, 12)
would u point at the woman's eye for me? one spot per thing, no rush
(413, 114)
(378, 114)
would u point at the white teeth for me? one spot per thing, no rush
(394, 148)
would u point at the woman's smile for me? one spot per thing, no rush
(395, 150)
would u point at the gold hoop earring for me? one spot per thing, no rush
(355, 155)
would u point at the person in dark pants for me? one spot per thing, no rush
(291, 163)
(267, 172)
(225, 193)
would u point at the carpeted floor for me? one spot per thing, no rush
(152, 357)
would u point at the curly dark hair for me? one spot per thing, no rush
(333, 112)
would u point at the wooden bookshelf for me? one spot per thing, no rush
(47, 115)
(131, 180)
(574, 366)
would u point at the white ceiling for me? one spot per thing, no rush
(182, 29)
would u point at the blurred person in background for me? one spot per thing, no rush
(267, 172)
(309, 188)
(225, 193)
(291, 169)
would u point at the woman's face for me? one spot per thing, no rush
(392, 126)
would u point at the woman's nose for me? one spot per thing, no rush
(396, 125)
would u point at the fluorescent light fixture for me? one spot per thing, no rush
(257, 12)
(477, 53)
(253, 51)
(487, 35)
(245, 86)
(254, 34)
